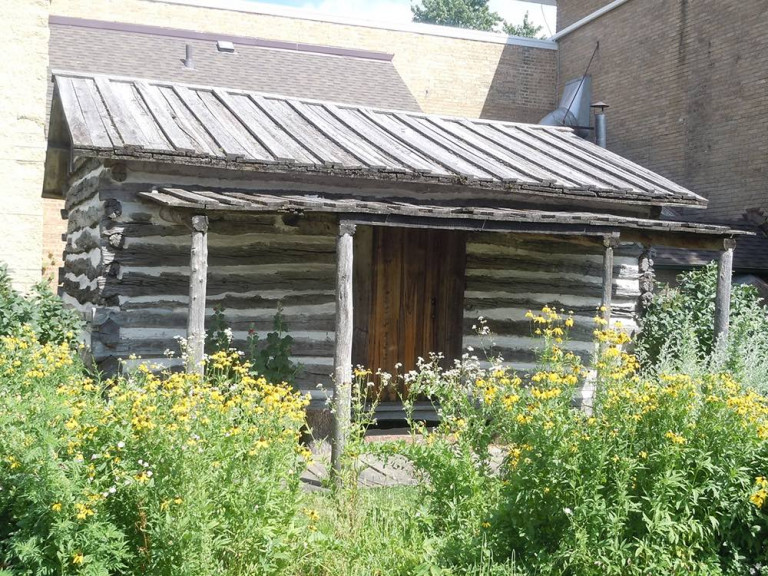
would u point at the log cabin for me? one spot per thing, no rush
(385, 234)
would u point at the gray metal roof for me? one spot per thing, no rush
(123, 117)
(301, 70)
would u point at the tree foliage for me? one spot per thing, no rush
(527, 29)
(473, 14)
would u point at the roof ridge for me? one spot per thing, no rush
(264, 8)
(413, 113)
(214, 36)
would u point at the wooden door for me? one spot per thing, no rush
(416, 297)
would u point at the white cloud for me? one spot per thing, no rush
(399, 11)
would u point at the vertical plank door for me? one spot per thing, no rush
(417, 297)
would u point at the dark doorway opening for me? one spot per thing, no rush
(409, 298)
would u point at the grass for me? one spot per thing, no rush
(378, 531)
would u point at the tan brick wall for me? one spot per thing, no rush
(446, 75)
(571, 11)
(687, 83)
(53, 244)
(22, 141)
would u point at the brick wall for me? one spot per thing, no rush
(687, 82)
(22, 140)
(570, 11)
(446, 75)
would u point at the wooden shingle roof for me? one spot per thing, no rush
(478, 219)
(132, 118)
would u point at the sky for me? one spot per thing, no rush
(399, 11)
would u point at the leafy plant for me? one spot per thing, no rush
(152, 473)
(678, 329)
(41, 310)
(219, 336)
(526, 28)
(270, 358)
(474, 14)
(666, 476)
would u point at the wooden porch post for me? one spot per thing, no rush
(647, 277)
(723, 297)
(198, 276)
(610, 242)
(342, 362)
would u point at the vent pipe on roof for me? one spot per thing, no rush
(188, 61)
(574, 107)
(225, 46)
(601, 133)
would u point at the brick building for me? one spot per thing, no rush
(685, 81)
(687, 87)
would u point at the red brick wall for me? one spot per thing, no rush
(687, 82)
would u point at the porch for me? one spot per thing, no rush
(367, 292)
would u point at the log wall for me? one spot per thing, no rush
(251, 268)
(127, 271)
(507, 275)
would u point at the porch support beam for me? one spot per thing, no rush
(198, 278)
(723, 297)
(342, 362)
(610, 241)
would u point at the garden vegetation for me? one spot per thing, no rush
(164, 473)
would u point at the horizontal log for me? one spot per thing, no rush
(534, 264)
(178, 320)
(571, 245)
(148, 348)
(518, 286)
(582, 329)
(83, 266)
(86, 187)
(138, 254)
(676, 239)
(311, 375)
(245, 301)
(142, 284)
(316, 223)
(542, 244)
(86, 215)
(252, 301)
(87, 295)
(142, 229)
(83, 240)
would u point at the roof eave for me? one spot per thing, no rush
(356, 176)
